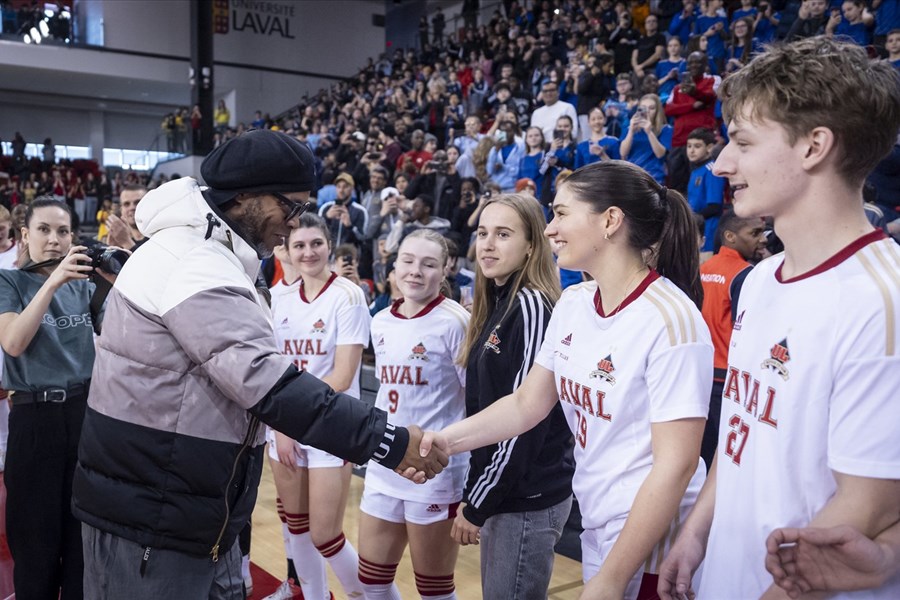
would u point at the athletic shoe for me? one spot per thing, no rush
(288, 590)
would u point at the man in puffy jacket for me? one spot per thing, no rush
(187, 371)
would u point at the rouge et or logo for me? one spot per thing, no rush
(418, 352)
(779, 356)
(604, 370)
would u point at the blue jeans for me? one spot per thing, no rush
(517, 552)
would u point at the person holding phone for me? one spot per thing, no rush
(649, 138)
(598, 146)
(504, 158)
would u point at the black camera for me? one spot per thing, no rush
(106, 258)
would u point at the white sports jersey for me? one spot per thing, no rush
(421, 384)
(649, 362)
(310, 330)
(813, 374)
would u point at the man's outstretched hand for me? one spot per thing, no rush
(418, 464)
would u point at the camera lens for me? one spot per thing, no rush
(112, 260)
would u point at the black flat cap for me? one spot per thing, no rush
(260, 160)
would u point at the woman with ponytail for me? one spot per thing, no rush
(629, 358)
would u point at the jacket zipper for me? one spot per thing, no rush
(251, 433)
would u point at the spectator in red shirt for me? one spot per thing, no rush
(692, 105)
(411, 162)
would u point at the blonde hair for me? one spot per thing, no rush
(538, 273)
(659, 118)
(5, 215)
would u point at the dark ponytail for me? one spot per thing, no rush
(677, 253)
(660, 222)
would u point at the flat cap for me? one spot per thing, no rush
(260, 160)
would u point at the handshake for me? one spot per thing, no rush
(427, 454)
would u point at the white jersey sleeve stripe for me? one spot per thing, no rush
(354, 294)
(657, 289)
(885, 262)
(895, 254)
(681, 310)
(532, 318)
(683, 301)
(670, 327)
(889, 317)
(457, 311)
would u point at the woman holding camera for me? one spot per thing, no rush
(648, 139)
(47, 336)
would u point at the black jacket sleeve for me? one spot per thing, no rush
(494, 473)
(309, 411)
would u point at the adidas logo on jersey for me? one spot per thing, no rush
(418, 352)
(318, 327)
(604, 370)
(567, 341)
(285, 322)
(779, 356)
(493, 341)
(433, 508)
(737, 322)
(380, 341)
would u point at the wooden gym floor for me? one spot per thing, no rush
(267, 551)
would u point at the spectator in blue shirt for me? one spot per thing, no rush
(669, 71)
(746, 10)
(714, 27)
(649, 138)
(892, 45)
(504, 158)
(853, 22)
(530, 166)
(682, 24)
(598, 146)
(767, 21)
(700, 43)
(887, 18)
(741, 49)
(616, 109)
(706, 191)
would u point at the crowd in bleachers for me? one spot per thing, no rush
(541, 89)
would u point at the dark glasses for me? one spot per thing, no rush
(294, 209)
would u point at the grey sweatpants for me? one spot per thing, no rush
(112, 570)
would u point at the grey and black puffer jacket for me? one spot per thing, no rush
(187, 367)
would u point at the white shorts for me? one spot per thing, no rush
(307, 456)
(596, 545)
(395, 510)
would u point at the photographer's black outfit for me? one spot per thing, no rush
(50, 381)
(443, 187)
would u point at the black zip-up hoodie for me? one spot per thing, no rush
(532, 471)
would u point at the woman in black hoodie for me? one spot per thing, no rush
(523, 484)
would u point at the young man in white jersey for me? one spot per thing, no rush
(806, 438)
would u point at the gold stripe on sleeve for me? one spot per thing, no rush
(889, 317)
(670, 327)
